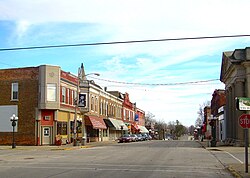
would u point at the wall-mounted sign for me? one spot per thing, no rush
(243, 104)
(82, 100)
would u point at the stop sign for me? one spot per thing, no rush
(244, 120)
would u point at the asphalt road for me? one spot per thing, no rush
(141, 159)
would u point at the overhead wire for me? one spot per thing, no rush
(122, 42)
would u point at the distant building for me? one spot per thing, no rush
(207, 119)
(217, 110)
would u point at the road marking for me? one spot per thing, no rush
(234, 157)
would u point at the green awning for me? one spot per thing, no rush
(115, 124)
(143, 129)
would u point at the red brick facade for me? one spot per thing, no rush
(27, 79)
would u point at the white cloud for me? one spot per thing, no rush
(117, 20)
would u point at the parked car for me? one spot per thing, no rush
(140, 138)
(134, 138)
(144, 137)
(125, 138)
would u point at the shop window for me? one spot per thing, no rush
(105, 133)
(62, 128)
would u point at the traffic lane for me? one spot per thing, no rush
(142, 159)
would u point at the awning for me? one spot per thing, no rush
(135, 126)
(115, 124)
(143, 129)
(96, 122)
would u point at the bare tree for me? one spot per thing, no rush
(149, 119)
(200, 113)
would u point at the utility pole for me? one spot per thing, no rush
(80, 101)
(76, 107)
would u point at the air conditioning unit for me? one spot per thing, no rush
(47, 118)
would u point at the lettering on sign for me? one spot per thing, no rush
(244, 121)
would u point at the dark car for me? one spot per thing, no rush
(134, 138)
(125, 138)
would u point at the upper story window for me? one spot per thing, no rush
(72, 97)
(63, 94)
(51, 92)
(101, 108)
(92, 103)
(96, 104)
(14, 91)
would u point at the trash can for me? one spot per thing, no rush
(83, 141)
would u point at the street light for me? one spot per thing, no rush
(80, 77)
(13, 119)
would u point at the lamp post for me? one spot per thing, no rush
(80, 78)
(13, 120)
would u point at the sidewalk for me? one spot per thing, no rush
(238, 170)
(54, 148)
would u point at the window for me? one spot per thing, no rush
(101, 108)
(62, 128)
(14, 91)
(96, 104)
(51, 92)
(63, 94)
(72, 97)
(106, 109)
(92, 103)
(67, 96)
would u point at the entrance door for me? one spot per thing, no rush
(46, 136)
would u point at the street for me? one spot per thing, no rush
(139, 159)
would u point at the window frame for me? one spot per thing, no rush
(63, 94)
(51, 87)
(13, 85)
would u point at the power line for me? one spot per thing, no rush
(155, 84)
(121, 42)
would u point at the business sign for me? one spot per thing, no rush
(136, 117)
(243, 104)
(244, 121)
(82, 102)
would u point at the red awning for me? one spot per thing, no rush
(135, 126)
(96, 122)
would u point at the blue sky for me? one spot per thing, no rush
(45, 22)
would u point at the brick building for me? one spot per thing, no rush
(44, 97)
(217, 103)
(18, 92)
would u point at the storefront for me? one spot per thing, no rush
(135, 128)
(143, 129)
(116, 127)
(96, 129)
